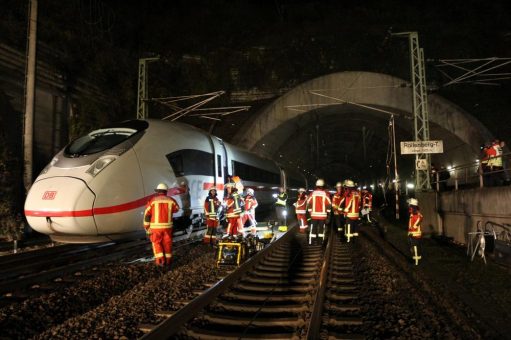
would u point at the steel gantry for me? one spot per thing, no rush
(420, 109)
(142, 111)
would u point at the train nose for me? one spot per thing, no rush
(61, 205)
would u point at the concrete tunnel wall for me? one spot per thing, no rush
(372, 89)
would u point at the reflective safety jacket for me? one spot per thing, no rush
(233, 205)
(281, 199)
(159, 211)
(414, 223)
(337, 202)
(367, 200)
(353, 201)
(250, 204)
(319, 204)
(211, 205)
(301, 204)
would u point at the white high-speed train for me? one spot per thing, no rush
(96, 188)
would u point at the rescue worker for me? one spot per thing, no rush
(414, 229)
(352, 209)
(319, 206)
(301, 210)
(249, 215)
(367, 204)
(233, 209)
(280, 206)
(211, 205)
(158, 224)
(337, 202)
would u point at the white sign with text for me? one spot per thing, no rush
(417, 147)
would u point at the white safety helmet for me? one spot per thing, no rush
(339, 184)
(162, 187)
(301, 190)
(250, 191)
(320, 183)
(349, 183)
(413, 201)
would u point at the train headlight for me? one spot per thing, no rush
(99, 165)
(52, 163)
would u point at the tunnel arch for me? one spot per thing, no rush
(344, 104)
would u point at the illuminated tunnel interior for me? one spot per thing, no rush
(346, 133)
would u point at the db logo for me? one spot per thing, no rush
(49, 195)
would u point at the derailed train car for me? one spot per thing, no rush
(96, 188)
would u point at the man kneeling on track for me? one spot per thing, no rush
(158, 224)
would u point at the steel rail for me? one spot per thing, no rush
(314, 325)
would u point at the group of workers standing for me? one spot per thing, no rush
(239, 211)
(344, 209)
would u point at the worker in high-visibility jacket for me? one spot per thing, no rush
(280, 207)
(414, 229)
(211, 207)
(249, 214)
(352, 209)
(158, 224)
(233, 210)
(301, 210)
(337, 207)
(367, 205)
(319, 206)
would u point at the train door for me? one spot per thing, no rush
(220, 164)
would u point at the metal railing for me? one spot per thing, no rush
(474, 174)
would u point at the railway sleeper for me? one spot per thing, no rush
(343, 289)
(196, 333)
(340, 297)
(278, 280)
(344, 321)
(244, 296)
(249, 320)
(341, 280)
(300, 270)
(337, 308)
(233, 306)
(281, 287)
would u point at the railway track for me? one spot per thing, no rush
(270, 297)
(341, 315)
(27, 275)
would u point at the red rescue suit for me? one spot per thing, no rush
(301, 211)
(414, 223)
(233, 213)
(158, 224)
(211, 205)
(337, 206)
(415, 233)
(249, 214)
(367, 204)
(319, 206)
(352, 212)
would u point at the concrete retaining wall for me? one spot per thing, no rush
(456, 213)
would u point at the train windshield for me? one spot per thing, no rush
(101, 140)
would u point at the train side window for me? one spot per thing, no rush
(191, 162)
(219, 165)
(176, 162)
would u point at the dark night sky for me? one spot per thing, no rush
(272, 45)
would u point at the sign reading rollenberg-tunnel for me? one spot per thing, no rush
(417, 147)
